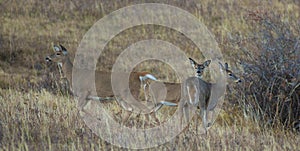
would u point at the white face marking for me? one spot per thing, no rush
(199, 68)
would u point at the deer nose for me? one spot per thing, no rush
(238, 81)
(48, 59)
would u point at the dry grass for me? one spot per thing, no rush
(40, 120)
(37, 113)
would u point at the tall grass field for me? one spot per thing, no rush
(260, 40)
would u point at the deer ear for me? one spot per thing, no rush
(226, 66)
(193, 62)
(221, 66)
(56, 48)
(206, 63)
(64, 50)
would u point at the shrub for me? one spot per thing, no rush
(272, 68)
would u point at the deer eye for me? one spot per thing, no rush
(58, 54)
(230, 74)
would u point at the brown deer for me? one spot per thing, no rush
(198, 92)
(103, 81)
(163, 93)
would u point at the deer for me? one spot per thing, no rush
(172, 90)
(198, 92)
(103, 82)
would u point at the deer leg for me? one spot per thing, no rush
(153, 115)
(147, 120)
(210, 117)
(127, 108)
(181, 112)
(204, 117)
(145, 86)
(150, 95)
(126, 116)
(197, 124)
(186, 112)
(183, 105)
(157, 107)
(149, 117)
(83, 101)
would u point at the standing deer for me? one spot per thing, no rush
(103, 81)
(198, 92)
(172, 90)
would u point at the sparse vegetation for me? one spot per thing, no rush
(260, 40)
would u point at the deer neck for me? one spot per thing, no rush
(67, 67)
(218, 88)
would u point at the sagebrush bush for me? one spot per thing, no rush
(271, 69)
